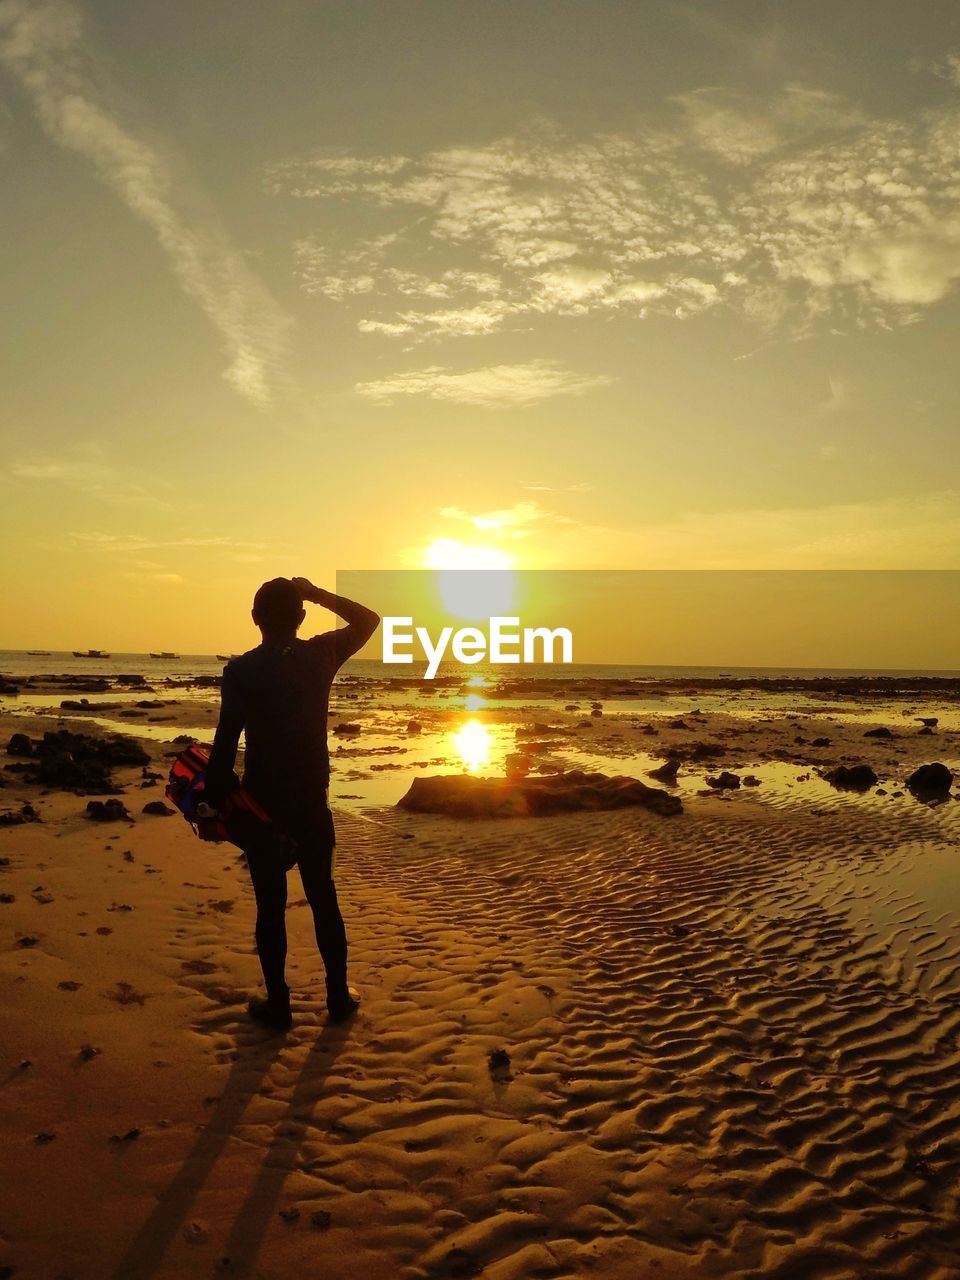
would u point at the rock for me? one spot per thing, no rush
(184, 740)
(856, 777)
(880, 732)
(79, 762)
(347, 727)
(17, 817)
(107, 811)
(667, 772)
(820, 742)
(678, 724)
(930, 781)
(925, 730)
(133, 678)
(414, 726)
(929, 722)
(465, 796)
(19, 745)
(158, 808)
(750, 781)
(498, 1063)
(725, 781)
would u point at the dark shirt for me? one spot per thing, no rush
(278, 695)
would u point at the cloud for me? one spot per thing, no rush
(502, 384)
(126, 543)
(513, 522)
(914, 533)
(795, 210)
(88, 471)
(41, 45)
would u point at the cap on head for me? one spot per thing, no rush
(278, 606)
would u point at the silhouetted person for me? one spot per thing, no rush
(278, 695)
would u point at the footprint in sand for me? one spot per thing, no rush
(68, 985)
(198, 966)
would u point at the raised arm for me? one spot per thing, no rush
(361, 621)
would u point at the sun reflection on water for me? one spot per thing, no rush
(472, 742)
(473, 702)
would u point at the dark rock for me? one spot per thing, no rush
(750, 781)
(159, 808)
(667, 772)
(856, 777)
(498, 1061)
(107, 811)
(346, 727)
(134, 678)
(414, 726)
(880, 732)
(925, 730)
(929, 722)
(725, 781)
(930, 781)
(19, 745)
(462, 795)
(17, 817)
(820, 742)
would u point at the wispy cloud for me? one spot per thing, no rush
(513, 522)
(912, 533)
(88, 470)
(498, 385)
(42, 46)
(796, 209)
(136, 543)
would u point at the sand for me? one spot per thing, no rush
(732, 1041)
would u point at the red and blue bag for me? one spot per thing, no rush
(238, 818)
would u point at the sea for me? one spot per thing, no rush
(19, 663)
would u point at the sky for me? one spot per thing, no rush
(302, 288)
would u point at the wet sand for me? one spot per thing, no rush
(731, 1040)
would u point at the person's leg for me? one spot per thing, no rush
(270, 889)
(315, 861)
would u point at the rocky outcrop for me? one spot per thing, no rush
(464, 796)
(75, 761)
(855, 777)
(931, 781)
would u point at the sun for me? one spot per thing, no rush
(474, 581)
(450, 554)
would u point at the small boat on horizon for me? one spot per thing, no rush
(90, 653)
(164, 654)
(39, 653)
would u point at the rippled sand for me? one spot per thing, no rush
(732, 1038)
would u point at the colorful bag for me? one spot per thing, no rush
(238, 819)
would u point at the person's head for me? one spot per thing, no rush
(278, 608)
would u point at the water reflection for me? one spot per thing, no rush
(474, 702)
(472, 742)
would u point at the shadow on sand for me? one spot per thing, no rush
(145, 1254)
